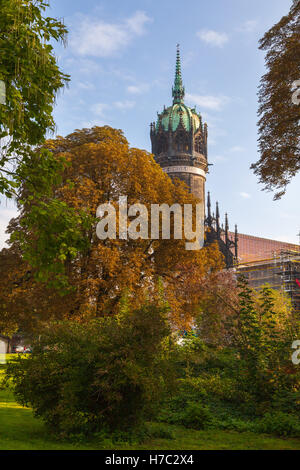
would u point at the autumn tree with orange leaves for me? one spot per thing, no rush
(62, 270)
(279, 105)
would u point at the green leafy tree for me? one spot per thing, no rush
(32, 80)
(103, 374)
(264, 346)
(279, 124)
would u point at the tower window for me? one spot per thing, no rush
(199, 144)
(181, 143)
(162, 145)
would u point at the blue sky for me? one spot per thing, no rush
(121, 57)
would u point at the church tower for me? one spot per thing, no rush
(179, 145)
(179, 140)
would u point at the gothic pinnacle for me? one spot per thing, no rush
(178, 89)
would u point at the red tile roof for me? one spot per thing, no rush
(252, 248)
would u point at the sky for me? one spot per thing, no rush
(121, 58)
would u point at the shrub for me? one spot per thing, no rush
(105, 374)
(234, 424)
(159, 431)
(197, 416)
(280, 424)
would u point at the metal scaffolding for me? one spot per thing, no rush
(281, 272)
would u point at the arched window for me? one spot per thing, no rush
(182, 143)
(162, 145)
(199, 144)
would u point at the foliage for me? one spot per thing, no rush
(70, 272)
(264, 346)
(32, 78)
(196, 416)
(218, 302)
(281, 306)
(67, 229)
(279, 124)
(253, 376)
(104, 374)
(280, 424)
(160, 431)
(25, 432)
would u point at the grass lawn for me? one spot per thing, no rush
(19, 430)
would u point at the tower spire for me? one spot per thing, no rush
(236, 241)
(226, 230)
(217, 218)
(178, 88)
(209, 219)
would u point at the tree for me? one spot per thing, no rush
(208, 297)
(32, 80)
(279, 124)
(101, 375)
(12, 268)
(263, 341)
(282, 307)
(71, 272)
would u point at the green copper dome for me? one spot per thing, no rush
(171, 117)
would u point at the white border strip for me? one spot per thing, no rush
(185, 169)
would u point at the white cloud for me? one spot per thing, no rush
(124, 104)
(99, 108)
(215, 103)
(99, 39)
(245, 195)
(86, 86)
(248, 26)
(137, 22)
(213, 37)
(87, 66)
(138, 89)
(92, 123)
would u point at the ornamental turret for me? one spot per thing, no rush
(179, 140)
